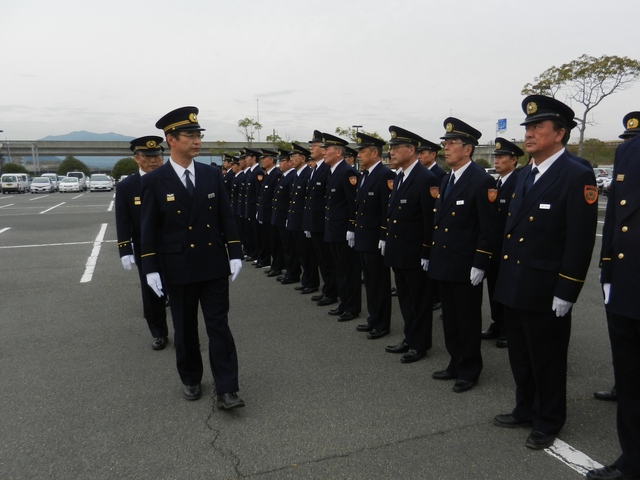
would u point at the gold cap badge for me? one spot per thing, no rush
(498, 145)
(449, 127)
(193, 118)
(532, 107)
(359, 140)
(632, 123)
(394, 134)
(151, 144)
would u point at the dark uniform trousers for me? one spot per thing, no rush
(620, 265)
(372, 201)
(502, 206)
(192, 238)
(408, 240)
(313, 221)
(294, 224)
(128, 207)
(290, 255)
(547, 247)
(340, 218)
(465, 236)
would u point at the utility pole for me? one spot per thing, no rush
(258, 111)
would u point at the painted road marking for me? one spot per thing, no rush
(575, 459)
(4, 229)
(5, 206)
(49, 209)
(93, 258)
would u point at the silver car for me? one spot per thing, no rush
(41, 185)
(100, 181)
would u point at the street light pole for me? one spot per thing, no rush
(357, 127)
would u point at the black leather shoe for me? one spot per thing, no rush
(279, 278)
(490, 333)
(261, 265)
(501, 342)
(308, 290)
(315, 298)
(538, 440)
(436, 306)
(287, 281)
(335, 312)
(299, 287)
(249, 259)
(192, 392)
(326, 301)
(364, 327)
(412, 356)
(443, 375)
(159, 343)
(274, 273)
(399, 348)
(508, 421)
(607, 473)
(611, 395)
(227, 401)
(346, 316)
(394, 292)
(462, 385)
(373, 334)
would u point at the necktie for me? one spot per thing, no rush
(364, 177)
(189, 183)
(400, 178)
(450, 185)
(529, 181)
(499, 184)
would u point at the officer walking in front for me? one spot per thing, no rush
(147, 153)
(188, 232)
(464, 239)
(548, 242)
(620, 263)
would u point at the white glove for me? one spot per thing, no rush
(286, 223)
(307, 234)
(235, 265)
(381, 245)
(153, 280)
(425, 264)
(606, 289)
(561, 307)
(476, 276)
(351, 239)
(127, 261)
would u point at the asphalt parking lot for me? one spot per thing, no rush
(85, 397)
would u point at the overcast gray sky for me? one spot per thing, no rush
(118, 66)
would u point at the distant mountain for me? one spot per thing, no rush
(83, 136)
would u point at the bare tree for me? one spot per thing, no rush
(247, 127)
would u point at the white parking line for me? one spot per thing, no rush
(110, 209)
(5, 206)
(93, 258)
(49, 209)
(572, 457)
(39, 197)
(4, 229)
(49, 244)
(77, 196)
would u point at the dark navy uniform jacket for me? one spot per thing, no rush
(372, 201)
(505, 193)
(253, 181)
(191, 238)
(228, 181)
(438, 171)
(548, 237)
(410, 219)
(281, 199)
(619, 257)
(128, 208)
(237, 185)
(340, 207)
(265, 200)
(465, 230)
(297, 203)
(315, 200)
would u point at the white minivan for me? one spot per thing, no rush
(14, 182)
(82, 179)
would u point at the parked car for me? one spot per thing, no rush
(605, 188)
(41, 184)
(82, 179)
(100, 181)
(55, 180)
(14, 182)
(69, 184)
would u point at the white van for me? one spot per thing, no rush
(82, 179)
(14, 182)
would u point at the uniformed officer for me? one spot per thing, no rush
(372, 200)
(237, 187)
(253, 181)
(427, 154)
(620, 265)
(339, 219)
(350, 156)
(147, 153)
(407, 247)
(272, 248)
(310, 278)
(464, 238)
(281, 199)
(314, 224)
(188, 229)
(548, 241)
(227, 171)
(506, 156)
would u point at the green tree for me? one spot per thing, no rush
(14, 168)
(597, 151)
(219, 150)
(72, 164)
(247, 127)
(124, 166)
(483, 162)
(350, 133)
(278, 141)
(587, 81)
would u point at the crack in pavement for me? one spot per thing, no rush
(224, 452)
